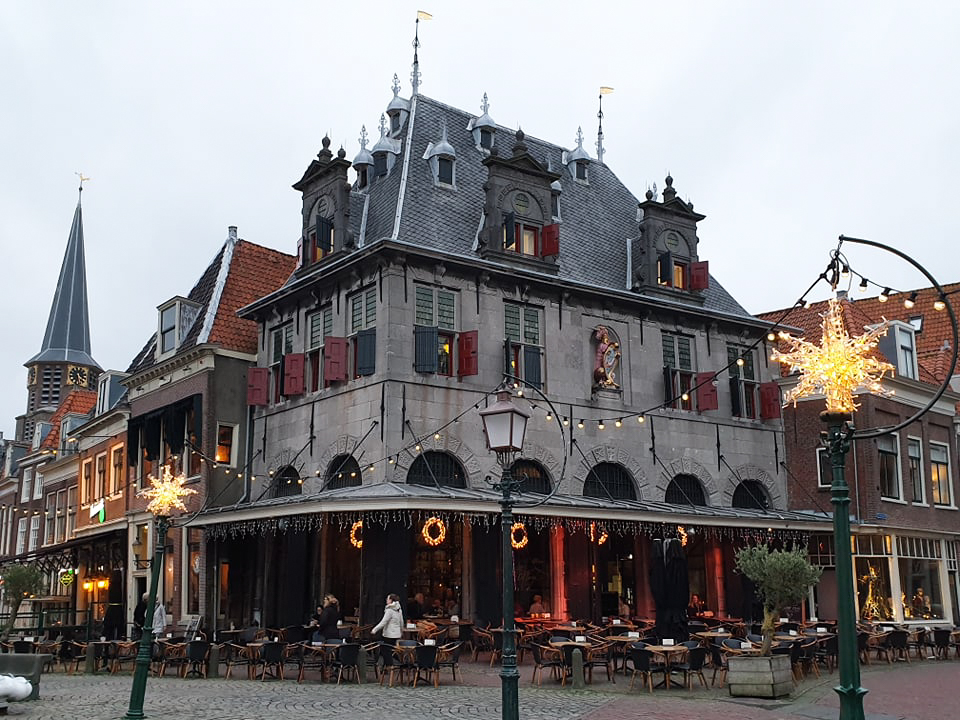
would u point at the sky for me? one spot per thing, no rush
(787, 125)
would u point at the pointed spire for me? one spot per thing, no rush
(415, 75)
(363, 137)
(67, 338)
(604, 90)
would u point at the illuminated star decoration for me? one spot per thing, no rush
(166, 493)
(838, 366)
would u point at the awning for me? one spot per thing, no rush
(164, 425)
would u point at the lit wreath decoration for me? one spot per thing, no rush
(434, 531)
(523, 539)
(355, 538)
(603, 534)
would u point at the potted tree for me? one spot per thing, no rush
(782, 578)
(19, 583)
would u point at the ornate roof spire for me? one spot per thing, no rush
(67, 338)
(415, 75)
(396, 85)
(485, 105)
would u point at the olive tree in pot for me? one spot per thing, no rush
(19, 583)
(782, 578)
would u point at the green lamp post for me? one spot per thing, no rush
(165, 493)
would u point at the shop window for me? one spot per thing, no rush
(940, 474)
(915, 469)
(610, 481)
(888, 449)
(434, 467)
(685, 490)
(532, 475)
(751, 495)
(743, 381)
(287, 482)
(523, 347)
(343, 471)
(822, 551)
(919, 564)
(678, 370)
(873, 588)
(193, 569)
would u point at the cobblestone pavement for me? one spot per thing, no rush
(918, 691)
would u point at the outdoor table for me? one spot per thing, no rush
(253, 652)
(98, 653)
(712, 635)
(668, 652)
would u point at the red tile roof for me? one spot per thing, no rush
(78, 402)
(934, 339)
(255, 271)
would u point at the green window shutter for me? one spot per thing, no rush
(425, 349)
(327, 322)
(371, 317)
(446, 310)
(356, 313)
(531, 326)
(531, 366)
(669, 351)
(511, 322)
(424, 310)
(367, 352)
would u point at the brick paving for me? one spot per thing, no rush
(918, 691)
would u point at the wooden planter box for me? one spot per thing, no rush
(756, 676)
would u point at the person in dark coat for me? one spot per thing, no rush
(327, 628)
(416, 608)
(140, 617)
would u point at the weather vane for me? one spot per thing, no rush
(83, 179)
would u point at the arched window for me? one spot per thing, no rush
(685, 490)
(532, 475)
(751, 495)
(343, 471)
(609, 480)
(440, 465)
(286, 482)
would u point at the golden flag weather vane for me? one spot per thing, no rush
(838, 366)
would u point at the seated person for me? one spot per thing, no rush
(696, 606)
(415, 609)
(623, 609)
(537, 607)
(436, 609)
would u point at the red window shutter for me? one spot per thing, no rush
(551, 240)
(258, 381)
(769, 401)
(700, 275)
(706, 391)
(467, 363)
(293, 364)
(334, 359)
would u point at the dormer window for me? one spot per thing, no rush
(555, 205)
(361, 178)
(168, 329)
(582, 170)
(320, 231)
(442, 158)
(900, 348)
(379, 165)
(486, 139)
(394, 122)
(445, 171)
(176, 319)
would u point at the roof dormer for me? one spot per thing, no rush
(900, 347)
(442, 158)
(398, 110)
(363, 162)
(483, 128)
(176, 317)
(578, 161)
(385, 152)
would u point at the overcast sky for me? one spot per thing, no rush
(786, 124)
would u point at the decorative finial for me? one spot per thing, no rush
(649, 194)
(579, 137)
(363, 134)
(341, 153)
(485, 105)
(396, 85)
(415, 74)
(443, 130)
(669, 192)
(519, 147)
(83, 179)
(669, 179)
(383, 125)
(604, 90)
(326, 142)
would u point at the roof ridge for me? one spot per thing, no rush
(214, 303)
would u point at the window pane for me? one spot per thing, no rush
(920, 586)
(356, 313)
(446, 310)
(511, 322)
(531, 326)
(684, 353)
(288, 339)
(371, 318)
(316, 329)
(873, 586)
(669, 350)
(424, 312)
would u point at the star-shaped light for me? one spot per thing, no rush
(167, 492)
(838, 366)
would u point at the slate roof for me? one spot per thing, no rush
(78, 402)
(934, 341)
(596, 218)
(67, 337)
(240, 273)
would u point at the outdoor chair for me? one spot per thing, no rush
(599, 656)
(897, 644)
(425, 661)
(172, 655)
(372, 650)
(863, 646)
(71, 653)
(941, 644)
(690, 644)
(126, 652)
(449, 656)
(347, 660)
(754, 638)
(917, 640)
(402, 661)
(293, 634)
(235, 655)
(719, 662)
(808, 656)
(696, 659)
(309, 658)
(272, 655)
(482, 642)
(829, 652)
(731, 644)
(545, 657)
(23, 646)
(644, 666)
(497, 652)
(195, 663)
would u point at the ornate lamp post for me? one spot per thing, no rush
(165, 493)
(504, 425)
(835, 368)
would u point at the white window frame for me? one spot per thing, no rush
(906, 353)
(314, 349)
(34, 533)
(747, 386)
(233, 427)
(366, 297)
(26, 483)
(37, 484)
(115, 485)
(897, 466)
(446, 332)
(517, 345)
(21, 535)
(61, 516)
(952, 505)
(50, 519)
(911, 439)
(821, 451)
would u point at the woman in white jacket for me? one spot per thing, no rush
(392, 626)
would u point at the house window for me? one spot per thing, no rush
(61, 515)
(71, 511)
(101, 489)
(486, 139)
(281, 344)
(685, 490)
(117, 477)
(743, 381)
(87, 482)
(226, 437)
(361, 177)
(445, 171)
(50, 519)
(680, 275)
(824, 468)
(436, 467)
(940, 474)
(524, 343)
(889, 461)
(610, 481)
(26, 484)
(394, 122)
(379, 164)
(678, 370)
(532, 476)
(581, 170)
(750, 494)
(435, 329)
(168, 329)
(21, 536)
(906, 353)
(342, 472)
(322, 238)
(34, 533)
(38, 485)
(555, 205)
(319, 326)
(915, 465)
(363, 322)
(525, 238)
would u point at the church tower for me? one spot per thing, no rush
(64, 361)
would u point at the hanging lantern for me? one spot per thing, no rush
(434, 531)
(518, 536)
(356, 538)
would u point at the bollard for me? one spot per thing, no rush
(213, 661)
(90, 664)
(576, 660)
(362, 666)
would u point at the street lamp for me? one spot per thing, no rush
(504, 425)
(166, 493)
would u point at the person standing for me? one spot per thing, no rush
(139, 617)
(392, 626)
(159, 620)
(327, 628)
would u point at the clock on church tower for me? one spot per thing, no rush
(77, 375)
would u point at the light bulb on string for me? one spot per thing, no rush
(863, 285)
(909, 302)
(939, 304)
(685, 397)
(739, 362)
(566, 421)
(771, 337)
(600, 425)
(580, 424)
(884, 296)
(640, 418)
(436, 436)
(619, 422)
(845, 272)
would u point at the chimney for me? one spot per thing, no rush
(841, 294)
(232, 233)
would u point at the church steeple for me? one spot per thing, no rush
(67, 338)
